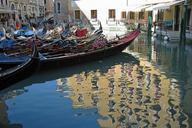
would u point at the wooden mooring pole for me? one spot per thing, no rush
(184, 24)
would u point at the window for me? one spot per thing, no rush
(132, 15)
(188, 16)
(58, 8)
(111, 13)
(6, 2)
(93, 14)
(123, 15)
(1, 2)
(55, 10)
(141, 15)
(77, 14)
(24, 8)
(19, 7)
(150, 13)
(45, 1)
(160, 16)
(33, 9)
(12, 7)
(13, 16)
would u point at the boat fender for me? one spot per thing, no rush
(166, 38)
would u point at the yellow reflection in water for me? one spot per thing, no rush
(128, 95)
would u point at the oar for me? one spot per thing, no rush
(54, 52)
(17, 53)
(53, 42)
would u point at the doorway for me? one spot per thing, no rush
(188, 18)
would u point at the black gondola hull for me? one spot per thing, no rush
(15, 74)
(84, 57)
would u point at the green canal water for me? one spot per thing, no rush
(147, 85)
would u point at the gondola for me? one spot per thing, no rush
(19, 72)
(49, 45)
(82, 55)
(113, 47)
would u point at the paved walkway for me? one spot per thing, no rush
(173, 35)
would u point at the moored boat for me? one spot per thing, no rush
(112, 47)
(45, 44)
(19, 72)
(93, 51)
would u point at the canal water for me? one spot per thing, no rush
(147, 85)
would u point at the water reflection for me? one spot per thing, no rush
(174, 61)
(23, 89)
(4, 119)
(151, 91)
(128, 95)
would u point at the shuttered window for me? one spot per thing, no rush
(58, 7)
(77, 14)
(132, 15)
(93, 14)
(141, 15)
(123, 15)
(111, 13)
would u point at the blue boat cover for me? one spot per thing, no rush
(24, 31)
(4, 58)
(29, 33)
(6, 43)
(1, 34)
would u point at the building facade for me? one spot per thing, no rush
(49, 8)
(108, 12)
(6, 11)
(41, 8)
(61, 10)
(168, 13)
(20, 10)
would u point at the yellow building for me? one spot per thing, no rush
(171, 16)
(167, 14)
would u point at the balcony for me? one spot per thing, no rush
(5, 9)
(111, 21)
(94, 21)
(3, 6)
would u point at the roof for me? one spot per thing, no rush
(168, 5)
(140, 8)
(158, 6)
